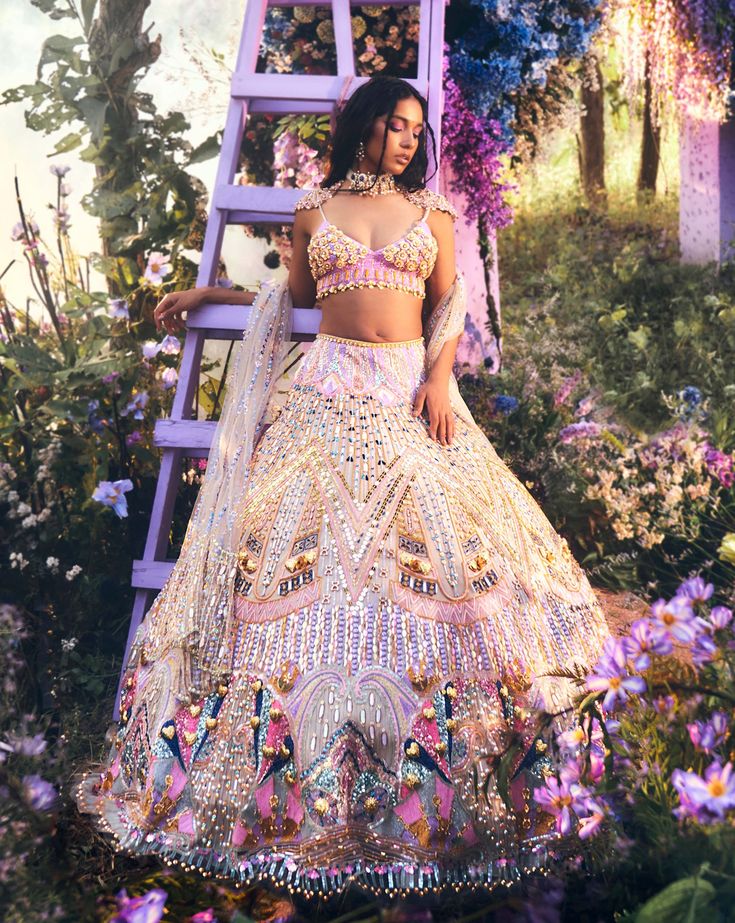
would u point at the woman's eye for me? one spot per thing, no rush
(400, 128)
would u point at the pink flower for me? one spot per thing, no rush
(589, 824)
(556, 798)
(158, 268)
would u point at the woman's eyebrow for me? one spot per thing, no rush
(404, 119)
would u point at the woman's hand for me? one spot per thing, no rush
(434, 396)
(169, 309)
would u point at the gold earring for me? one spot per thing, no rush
(360, 152)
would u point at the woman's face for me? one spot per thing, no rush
(402, 140)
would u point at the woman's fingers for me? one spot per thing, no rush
(418, 404)
(169, 310)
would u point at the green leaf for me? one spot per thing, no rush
(207, 149)
(68, 143)
(94, 111)
(684, 901)
(88, 8)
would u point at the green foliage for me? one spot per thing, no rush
(143, 195)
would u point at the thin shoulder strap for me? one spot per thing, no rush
(322, 211)
(426, 213)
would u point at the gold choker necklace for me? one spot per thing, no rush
(367, 184)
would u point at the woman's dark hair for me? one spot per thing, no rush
(374, 98)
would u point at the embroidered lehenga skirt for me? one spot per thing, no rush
(397, 604)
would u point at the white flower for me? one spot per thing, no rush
(17, 560)
(30, 521)
(44, 514)
(52, 564)
(24, 509)
(13, 496)
(73, 572)
(42, 473)
(68, 644)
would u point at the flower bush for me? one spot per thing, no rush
(646, 777)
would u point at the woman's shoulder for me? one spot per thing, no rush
(313, 198)
(425, 198)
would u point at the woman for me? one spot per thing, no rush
(367, 600)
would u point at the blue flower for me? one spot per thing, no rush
(505, 404)
(692, 395)
(112, 493)
(136, 405)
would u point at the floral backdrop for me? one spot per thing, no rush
(613, 404)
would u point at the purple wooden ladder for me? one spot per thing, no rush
(180, 435)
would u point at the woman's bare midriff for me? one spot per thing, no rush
(379, 315)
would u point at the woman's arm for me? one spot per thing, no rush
(433, 394)
(168, 311)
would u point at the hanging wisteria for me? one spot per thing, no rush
(685, 48)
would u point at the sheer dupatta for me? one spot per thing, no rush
(191, 622)
(447, 321)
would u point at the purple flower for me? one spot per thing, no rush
(584, 429)
(644, 640)
(148, 908)
(133, 438)
(169, 378)
(676, 617)
(567, 387)
(108, 379)
(170, 345)
(224, 282)
(720, 465)
(556, 798)
(696, 590)
(150, 349)
(118, 307)
(703, 649)
(590, 815)
(93, 419)
(708, 735)
(136, 405)
(611, 675)
(720, 617)
(59, 170)
(707, 798)
(28, 746)
(39, 794)
(112, 493)
(62, 219)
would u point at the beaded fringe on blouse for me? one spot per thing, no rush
(396, 602)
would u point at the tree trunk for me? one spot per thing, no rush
(592, 135)
(650, 142)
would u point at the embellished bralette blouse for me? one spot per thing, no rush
(339, 262)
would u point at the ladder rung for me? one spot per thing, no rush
(151, 575)
(257, 203)
(296, 90)
(184, 434)
(227, 321)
